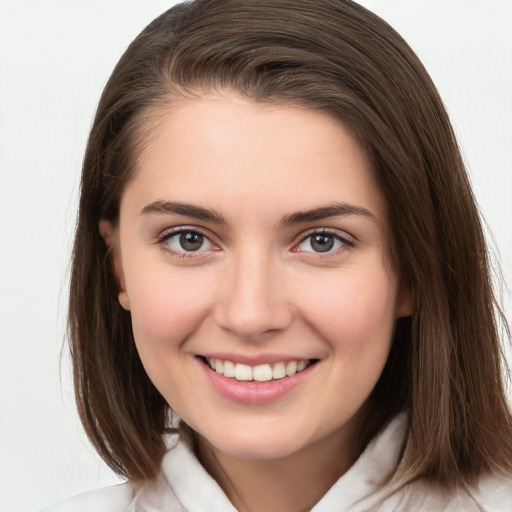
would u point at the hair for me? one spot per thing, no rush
(446, 365)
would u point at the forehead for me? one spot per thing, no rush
(231, 153)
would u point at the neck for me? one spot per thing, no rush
(293, 483)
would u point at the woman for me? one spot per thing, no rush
(277, 240)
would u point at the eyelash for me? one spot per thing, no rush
(347, 243)
(163, 242)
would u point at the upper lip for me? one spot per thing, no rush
(254, 360)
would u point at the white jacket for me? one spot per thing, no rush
(185, 486)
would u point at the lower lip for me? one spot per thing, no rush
(254, 393)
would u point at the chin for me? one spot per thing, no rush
(257, 449)
(256, 443)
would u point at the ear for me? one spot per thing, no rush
(108, 232)
(404, 302)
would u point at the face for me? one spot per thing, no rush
(251, 253)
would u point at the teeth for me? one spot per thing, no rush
(301, 365)
(260, 373)
(279, 371)
(291, 368)
(229, 369)
(243, 372)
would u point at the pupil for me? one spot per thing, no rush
(322, 243)
(191, 241)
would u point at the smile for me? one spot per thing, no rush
(259, 373)
(265, 381)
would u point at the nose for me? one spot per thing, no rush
(253, 303)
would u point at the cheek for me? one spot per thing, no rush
(353, 311)
(166, 308)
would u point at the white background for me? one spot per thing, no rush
(55, 57)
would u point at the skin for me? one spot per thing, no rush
(257, 287)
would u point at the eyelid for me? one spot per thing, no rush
(340, 234)
(162, 238)
(349, 242)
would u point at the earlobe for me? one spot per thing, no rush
(124, 300)
(108, 233)
(405, 302)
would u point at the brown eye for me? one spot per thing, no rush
(191, 241)
(186, 241)
(322, 242)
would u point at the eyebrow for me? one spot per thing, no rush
(324, 212)
(200, 213)
(186, 209)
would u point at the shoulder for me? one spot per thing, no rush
(493, 493)
(182, 485)
(370, 484)
(489, 494)
(117, 498)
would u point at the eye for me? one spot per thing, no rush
(322, 242)
(186, 241)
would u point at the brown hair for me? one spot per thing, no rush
(445, 365)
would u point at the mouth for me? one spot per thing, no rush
(259, 373)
